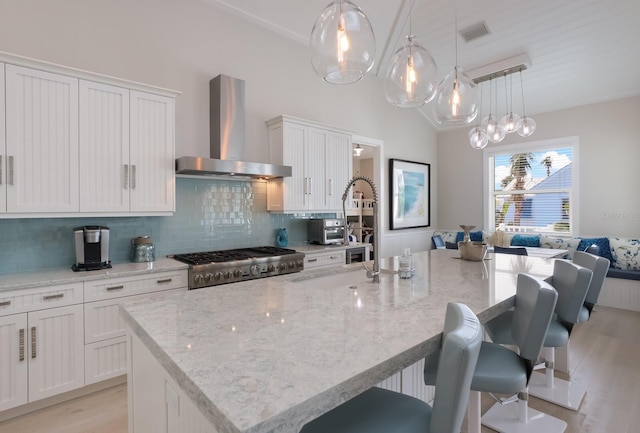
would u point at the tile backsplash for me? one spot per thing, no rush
(210, 215)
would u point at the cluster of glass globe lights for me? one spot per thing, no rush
(343, 47)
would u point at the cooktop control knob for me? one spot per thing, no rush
(217, 276)
(271, 268)
(227, 275)
(300, 264)
(199, 279)
(254, 270)
(283, 266)
(209, 277)
(237, 273)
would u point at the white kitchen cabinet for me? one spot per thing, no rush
(105, 354)
(127, 154)
(41, 141)
(320, 161)
(325, 259)
(104, 154)
(41, 341)
(3, 153)
(152, 170)
(13, 361)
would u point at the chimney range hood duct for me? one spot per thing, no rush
(227, 138)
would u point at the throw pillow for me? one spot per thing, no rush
(569, 244)
(602, 243)
(626, 253)
(475, 236)
(525, 241)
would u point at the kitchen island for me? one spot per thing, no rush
(271, 354)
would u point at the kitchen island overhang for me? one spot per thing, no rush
(272, 354)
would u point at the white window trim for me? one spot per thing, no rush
(535, 146)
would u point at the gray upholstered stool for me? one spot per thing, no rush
(599, 266)
(380, 410)
(572, 282)
(502, 371)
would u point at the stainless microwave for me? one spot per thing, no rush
(326, 231)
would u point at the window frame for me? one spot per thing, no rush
(533, 146)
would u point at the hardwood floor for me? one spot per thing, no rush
(604, 354)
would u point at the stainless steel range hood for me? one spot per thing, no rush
(227, 138)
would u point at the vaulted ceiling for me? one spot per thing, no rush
(580, 51)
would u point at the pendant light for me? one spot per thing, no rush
(412, 76)
(490, 124)
(527, 124)
(457, 99)
(357, 151)
(343, 44)
(478, 138)
(510, 122)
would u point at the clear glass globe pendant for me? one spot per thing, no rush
(478, 138)
(412, 77)
(342, 43)
(457, 99)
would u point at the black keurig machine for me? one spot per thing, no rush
(92, 248)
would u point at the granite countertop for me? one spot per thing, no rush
(271, 354)
(25, 280)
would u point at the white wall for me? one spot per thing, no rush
(609, 135)
(182, 44)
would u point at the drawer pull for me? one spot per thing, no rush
(112, 288)
(21, 346)
(312, 260)
(56, 296)
(33, 342)
(166, 280)
(5, 303)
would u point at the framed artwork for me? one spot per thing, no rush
(410, 194)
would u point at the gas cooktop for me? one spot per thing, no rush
(210, 268)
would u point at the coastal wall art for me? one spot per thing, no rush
(410, 196)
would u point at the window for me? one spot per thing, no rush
(532, 188)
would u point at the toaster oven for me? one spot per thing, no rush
(326, 231)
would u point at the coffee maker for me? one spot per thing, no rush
(92, 248)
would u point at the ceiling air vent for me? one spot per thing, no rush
(474, 31)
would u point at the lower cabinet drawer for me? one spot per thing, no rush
(105, 359)
(102, 318)
(315, 261)
(112, 288)
(40, 298)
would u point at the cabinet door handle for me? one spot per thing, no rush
(166, 280)
(0, 169)
(56, 296)
(133, 177)
(310, 185)
(330, 186)
(312, 260)
(112, 288)
(5, 303)
(11, 173)
(33, 342)
(126, 176)
(21, 345)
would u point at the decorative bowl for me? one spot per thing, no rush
(472, 251)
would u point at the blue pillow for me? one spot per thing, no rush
(525, 241)
(602, 243)
(475, 236)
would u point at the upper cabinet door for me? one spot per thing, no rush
(152, 163)
(3, 153)
(339, 168)
(104, 148)
(42, 141)
(316, 159)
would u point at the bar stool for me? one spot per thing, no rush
(572, 282)
(380, 410)
(599, 266)
(503, 371)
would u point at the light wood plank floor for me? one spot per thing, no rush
(604, 354)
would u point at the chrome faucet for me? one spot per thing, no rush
(375, 272)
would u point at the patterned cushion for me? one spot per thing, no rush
(626, 253)
(525, 241)
(475, 236)
(602, 243)
(569, 244)
(446, 236)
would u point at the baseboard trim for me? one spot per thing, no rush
(620, 293)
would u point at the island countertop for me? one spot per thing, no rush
(271, 354)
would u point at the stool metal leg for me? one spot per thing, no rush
(473, 412)
(557, 391)
(520, 418)
(562, 359)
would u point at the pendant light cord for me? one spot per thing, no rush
(524, 114)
